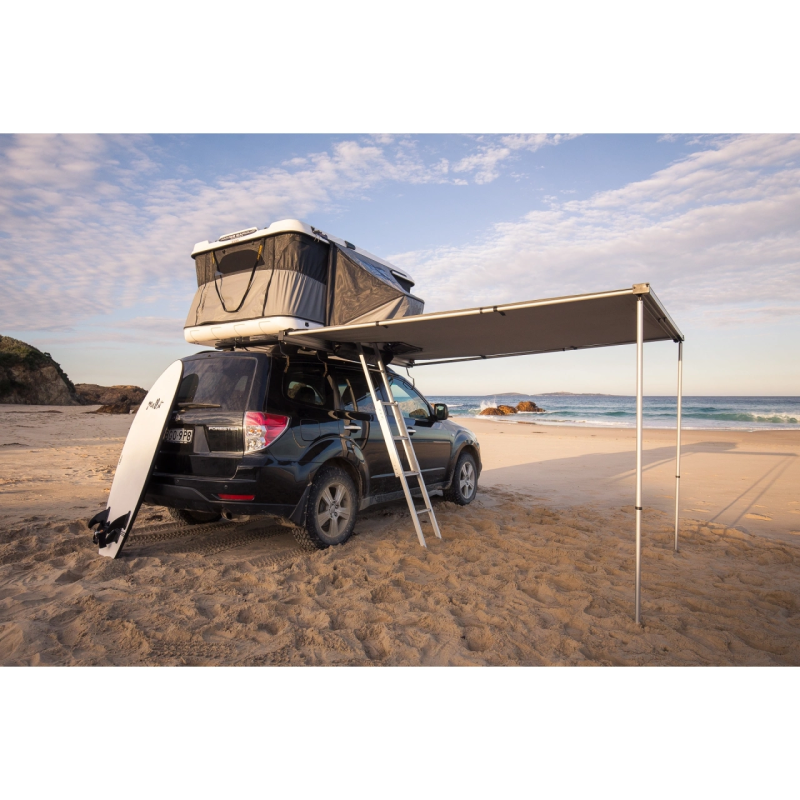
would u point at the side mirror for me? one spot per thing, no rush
(440, 411)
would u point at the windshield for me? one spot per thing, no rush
(217, 382)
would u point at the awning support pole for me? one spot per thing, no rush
(678, 451)
(639, 388)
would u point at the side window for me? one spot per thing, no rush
(346, 391)
(354, 391)
(308, 385)
(411, 403)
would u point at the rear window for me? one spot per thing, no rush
(223, 382)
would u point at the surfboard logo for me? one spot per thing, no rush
(154, 404)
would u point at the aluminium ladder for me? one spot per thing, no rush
(404, 436)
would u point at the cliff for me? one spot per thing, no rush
(30, 377)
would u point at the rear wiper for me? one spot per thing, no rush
(199, 405)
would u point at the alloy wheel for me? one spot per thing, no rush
(334, 509)
(466, 479)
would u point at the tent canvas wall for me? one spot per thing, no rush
(257, 283)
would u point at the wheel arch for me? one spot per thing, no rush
(473, 451)
(349, 468)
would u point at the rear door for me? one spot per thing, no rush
(362, 427)
(204, 437)
(309, 388)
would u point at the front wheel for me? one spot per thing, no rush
(465, 481)
(331, 509)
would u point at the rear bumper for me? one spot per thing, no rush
(204, 495)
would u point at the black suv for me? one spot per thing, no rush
(297, 436)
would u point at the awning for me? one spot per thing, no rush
(601, 319)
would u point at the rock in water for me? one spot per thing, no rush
(490, 412)
(527, 405)
(30, 377)
(507, 409)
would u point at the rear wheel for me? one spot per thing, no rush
(331, 510)
(465, 480)
(189, 517)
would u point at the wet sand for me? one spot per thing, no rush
(538, 570)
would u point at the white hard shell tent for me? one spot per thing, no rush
(251, 284)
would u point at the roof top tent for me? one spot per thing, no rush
(255, 283)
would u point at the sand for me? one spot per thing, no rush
(538, 570)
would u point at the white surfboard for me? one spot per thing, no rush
(136, 463)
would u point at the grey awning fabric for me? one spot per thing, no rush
(600, 319)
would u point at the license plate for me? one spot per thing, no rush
(179, 435)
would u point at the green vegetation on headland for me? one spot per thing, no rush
(27, 375)
(30, 377)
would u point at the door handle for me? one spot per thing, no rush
(411, 431)
(352, 427)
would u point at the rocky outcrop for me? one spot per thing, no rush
(123, 407)
(111, 399)
(30, 377)
(503, 410)
(527, 405)
(499, 411)
(93, 395)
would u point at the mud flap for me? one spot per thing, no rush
(113, 524)
(298, 516)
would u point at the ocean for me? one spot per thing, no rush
(611, 411)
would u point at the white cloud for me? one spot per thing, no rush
(485, 164)
(534, 141)
(88, 227)
(718, 228)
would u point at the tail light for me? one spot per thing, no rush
(261, 430)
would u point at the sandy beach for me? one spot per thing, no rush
(538, 570)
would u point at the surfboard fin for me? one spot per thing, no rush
(99, 517)
(108, 532)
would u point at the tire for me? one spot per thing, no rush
(465, 481)
(331, 510)
(193, 517)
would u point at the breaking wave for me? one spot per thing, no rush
(659, 412)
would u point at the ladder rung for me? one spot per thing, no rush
(419, 511)
(410, 473)
(400, 438)
(388, 402)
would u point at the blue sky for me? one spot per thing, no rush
(96, 232)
